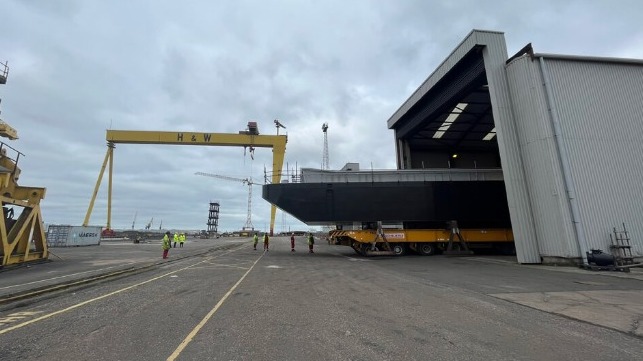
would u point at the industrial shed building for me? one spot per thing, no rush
(567, 132)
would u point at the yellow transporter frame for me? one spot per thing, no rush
(416, 237)
(276, 142)
(27, 231)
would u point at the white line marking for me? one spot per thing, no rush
(221, 265)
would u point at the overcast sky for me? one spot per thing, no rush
(79, 67)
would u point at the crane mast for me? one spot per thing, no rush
(325, 158)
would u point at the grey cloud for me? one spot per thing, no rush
(80, 67)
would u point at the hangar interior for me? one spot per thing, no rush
(528, 116)
(451, 125)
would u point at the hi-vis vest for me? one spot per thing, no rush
(166, 242)
(181, 238)
(176, 237)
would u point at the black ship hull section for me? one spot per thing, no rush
(474, 204)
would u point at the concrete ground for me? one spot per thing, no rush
(618, 309)
(609, 299)
(73, 265)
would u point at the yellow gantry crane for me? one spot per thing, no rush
(248, 225)
(22, 238)
(249, 138)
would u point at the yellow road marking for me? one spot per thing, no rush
(207, 317)
(18, 316)
(91, 300)
(44, 317)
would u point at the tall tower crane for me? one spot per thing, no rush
(248, 225)
(325, 160)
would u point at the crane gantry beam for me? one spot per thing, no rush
(247, 139)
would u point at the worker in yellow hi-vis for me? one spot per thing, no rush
(181, 239)
(176, 239)
(255, 241)
(165, 244)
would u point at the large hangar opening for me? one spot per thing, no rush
(451, 125)
(453, 122)
(448, 125)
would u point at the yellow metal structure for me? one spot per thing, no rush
(276, 142)
(436, 239)
(8, 131)
(23, 238)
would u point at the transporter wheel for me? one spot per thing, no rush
(357, 248)
(400, 249)
(426, 249)
(366, 249)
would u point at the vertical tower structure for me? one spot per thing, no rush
(213, 218)
(325, 160)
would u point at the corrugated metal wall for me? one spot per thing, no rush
(550, 206)
(522, 222)
(600, 107)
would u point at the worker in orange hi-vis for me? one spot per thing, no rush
(292, 242)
